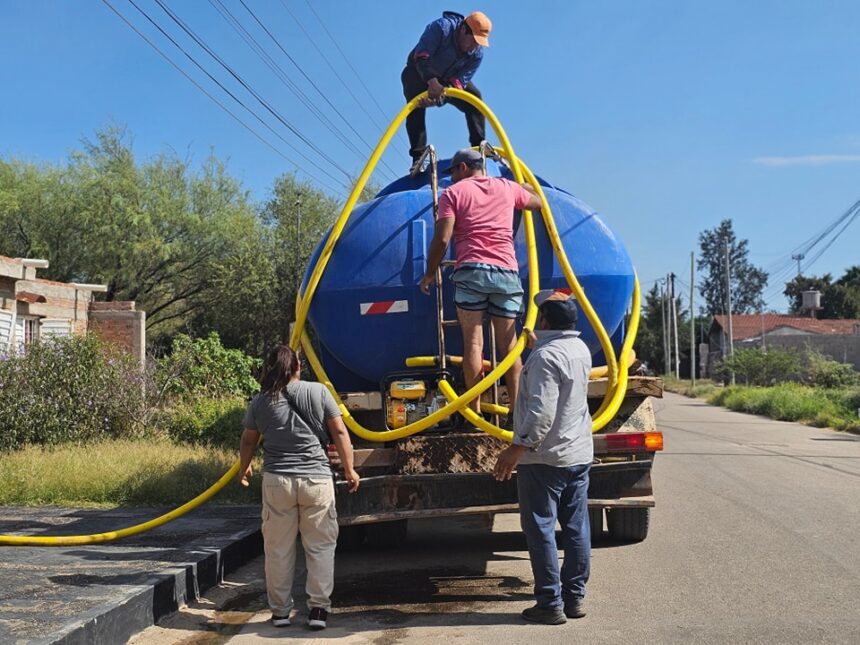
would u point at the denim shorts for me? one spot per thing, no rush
(484, 287)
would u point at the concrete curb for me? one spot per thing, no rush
(165, 593)
(105, 593)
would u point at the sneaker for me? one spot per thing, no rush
(544, 616)
(317, 618)
(573, 608)
(280, 621)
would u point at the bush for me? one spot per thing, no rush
(68, 389)
(213, 422)
(823, 371)
(761, 367)
(203, 367)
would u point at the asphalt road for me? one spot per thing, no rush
(754, 540)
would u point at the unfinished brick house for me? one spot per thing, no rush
(32, 308)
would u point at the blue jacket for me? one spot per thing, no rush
(436, 54)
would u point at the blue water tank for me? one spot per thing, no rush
(369, 314)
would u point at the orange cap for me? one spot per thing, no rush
(480, 26)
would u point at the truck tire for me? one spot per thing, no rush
(350, 538)
(386, 534)
(595, 521)
(628, 524)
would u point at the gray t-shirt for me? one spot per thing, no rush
(290, 446)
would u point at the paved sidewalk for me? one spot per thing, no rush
(106, 592)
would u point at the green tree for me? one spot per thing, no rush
(839, 299)
(747, 281)
(649, 344)
(297, 217)
(155, 232)
(795, 288)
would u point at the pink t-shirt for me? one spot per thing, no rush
(483, 212)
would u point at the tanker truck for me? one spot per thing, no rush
(387, 349)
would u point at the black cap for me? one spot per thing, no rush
(467, 156)
(557, 308)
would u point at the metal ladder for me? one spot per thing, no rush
(442, 359)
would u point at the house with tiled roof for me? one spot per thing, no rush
(32, 308)
(839, 339)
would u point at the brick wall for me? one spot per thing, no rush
(839, 347)
(62, 301)
(121, 324)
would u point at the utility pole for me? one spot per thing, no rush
(675, 328)
(665, 338)
(729, 306)
(298, 249)
(797, 258)
(692, 324)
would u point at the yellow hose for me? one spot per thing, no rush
(601, 371)
(578, 292)
(304, 299)
(459, 403)
(433, 361)
(456, 404)
(75, 540)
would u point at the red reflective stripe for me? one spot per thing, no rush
(380, 307)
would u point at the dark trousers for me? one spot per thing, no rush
(416, 127)
(547, 494)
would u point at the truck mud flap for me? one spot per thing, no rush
(621, 479)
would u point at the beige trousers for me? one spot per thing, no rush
(294, 505)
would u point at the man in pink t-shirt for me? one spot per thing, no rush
(478, 211)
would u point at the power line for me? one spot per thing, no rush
(279, 71)
(856, 210)
(200, 42)
(216, 101)
(346, 60)
(334, 71)
(803, 250)
(252, 42)
(312, 83)
(231, 94)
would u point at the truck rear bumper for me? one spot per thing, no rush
(393, 497)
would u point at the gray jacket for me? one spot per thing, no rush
(551, 415)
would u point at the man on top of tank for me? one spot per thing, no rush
(478, 212)
(448, 54)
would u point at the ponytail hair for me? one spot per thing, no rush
(281, 365)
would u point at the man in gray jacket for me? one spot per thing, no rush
(552, 451)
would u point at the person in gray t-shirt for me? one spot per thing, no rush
(294, 419)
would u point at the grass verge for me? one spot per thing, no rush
(833, 408)
(703, 389)
(820, 407)
(119, 473)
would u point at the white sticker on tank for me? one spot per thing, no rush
(384, 307)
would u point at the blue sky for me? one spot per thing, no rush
(665, 116)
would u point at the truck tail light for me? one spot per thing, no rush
(631, 442)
